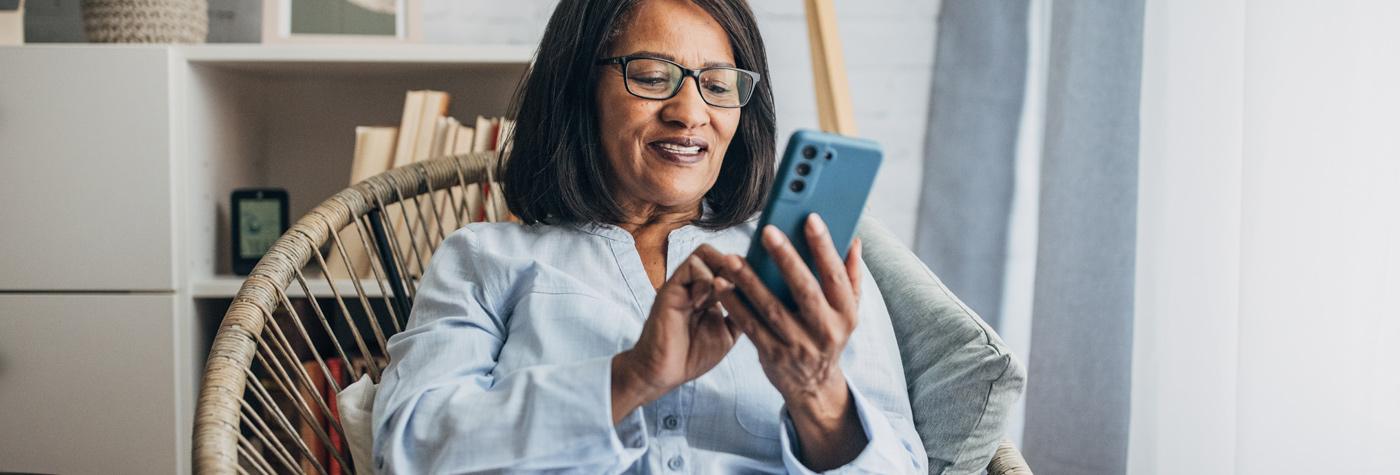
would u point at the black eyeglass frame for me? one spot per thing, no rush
(685, 73)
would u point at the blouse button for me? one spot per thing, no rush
(676, 463)
(670, 422)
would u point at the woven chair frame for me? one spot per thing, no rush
(231, 435)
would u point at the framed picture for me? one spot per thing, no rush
(342, 21)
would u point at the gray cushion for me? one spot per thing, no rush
(962, 378)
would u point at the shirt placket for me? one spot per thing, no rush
(673, 412)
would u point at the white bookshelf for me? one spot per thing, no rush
(136, 148)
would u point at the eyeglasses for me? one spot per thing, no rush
(659, 79)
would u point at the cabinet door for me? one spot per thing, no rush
(87, 385)
(85, 168)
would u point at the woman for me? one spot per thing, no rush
(644, 149)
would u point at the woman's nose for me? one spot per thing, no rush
(687, 109)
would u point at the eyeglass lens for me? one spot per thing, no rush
(654, 79)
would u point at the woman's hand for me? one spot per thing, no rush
(685, 335)
(800, 351)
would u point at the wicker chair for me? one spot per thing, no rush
(256, 386)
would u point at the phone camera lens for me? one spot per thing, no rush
(829, 155)
(803, 169)
(797, 186)
(809, 152)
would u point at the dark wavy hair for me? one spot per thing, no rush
(555, 169)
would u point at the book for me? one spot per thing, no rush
(307, 428)
(374, 152)
(303, 428)
(479, 195)
(434, 108)
(498, 197)
(449, 130)
(408, 127)
(12, 23)
(452, 211)
(337, 368)
(465, 139)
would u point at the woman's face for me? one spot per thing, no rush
(665, 153)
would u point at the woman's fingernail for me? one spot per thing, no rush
(817, 224)
(772, 236)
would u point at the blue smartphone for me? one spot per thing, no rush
(821, 173)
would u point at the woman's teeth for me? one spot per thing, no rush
(677, 149)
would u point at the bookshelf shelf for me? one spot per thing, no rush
(359, 59)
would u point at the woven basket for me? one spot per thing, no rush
(146, 21)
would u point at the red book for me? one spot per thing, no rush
(337, 369)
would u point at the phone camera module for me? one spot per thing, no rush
(797, 186)
(803, 169)
(809, 152)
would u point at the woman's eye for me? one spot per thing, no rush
(718, 88)
(649, 80)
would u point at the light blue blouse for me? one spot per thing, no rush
(504, 367)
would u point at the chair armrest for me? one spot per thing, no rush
(962, 379)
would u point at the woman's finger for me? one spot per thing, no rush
(711, 256)
(701, 282)
(718, 286)
(853, 269)
(835, 281)
(751, 291)
(675, 292)
(806, 291)
(744, 318)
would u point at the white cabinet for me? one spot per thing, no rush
(88, 384)
(86, 199)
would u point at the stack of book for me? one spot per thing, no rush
(425, 132)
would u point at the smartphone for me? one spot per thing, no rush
(821, 173)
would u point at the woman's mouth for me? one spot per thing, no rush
(683, 150)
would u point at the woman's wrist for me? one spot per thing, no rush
(823, 407)
(631, 387)
(827, 424)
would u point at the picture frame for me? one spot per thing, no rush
(342, 21)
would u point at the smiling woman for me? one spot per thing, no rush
(578, 123)
(607, 332)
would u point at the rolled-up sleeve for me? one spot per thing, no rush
(442, 407)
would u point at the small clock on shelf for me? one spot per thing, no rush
(259, 218)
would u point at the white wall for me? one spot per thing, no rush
(1269, 225)
(888, 46)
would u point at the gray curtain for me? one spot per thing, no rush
(979, 79)
(1077, 401)
(1078, 392)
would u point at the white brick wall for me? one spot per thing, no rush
(889, 58)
